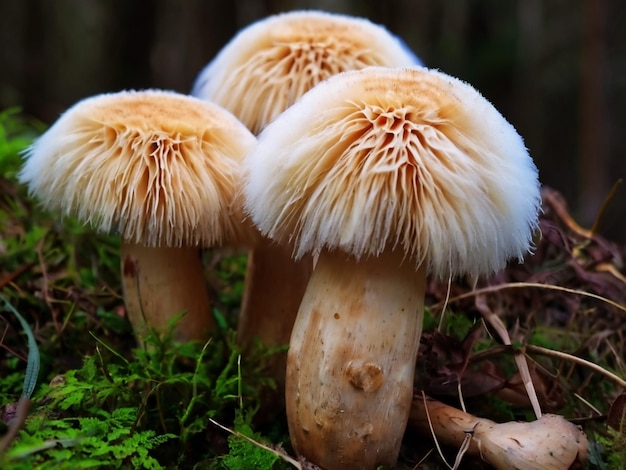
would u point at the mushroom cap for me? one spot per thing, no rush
(409, 159)
(268, 65)
(158, 167)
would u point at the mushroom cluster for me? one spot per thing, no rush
(262, 71)
(160, 169)
(386, 175)
(379, 169)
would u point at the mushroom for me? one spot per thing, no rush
(386, 174)
(161, 169)
(549, 443)
(271, 63)
(263, 70)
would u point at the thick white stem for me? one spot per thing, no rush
(352, 358)
(162, 282)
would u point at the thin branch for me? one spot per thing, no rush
(586, 402)
(578, 360)
(496, 350)
(285, 457)
(432, 431)
(520, 359)
(445, 305)
(9, 278)
(519, 285)
(605, 204)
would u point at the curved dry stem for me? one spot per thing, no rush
(282, 455)
(577, 360)
(520, 360)
(497, 350)
(434, 434)
(607, 200)
(519, 285)
(494, 351)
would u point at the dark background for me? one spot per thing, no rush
(556, 69)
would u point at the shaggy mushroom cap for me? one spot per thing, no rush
(158, 167)
(409, 159)
(271, 63)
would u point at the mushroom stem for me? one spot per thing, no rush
(275, 284)
(549, 443)
(161, 282)
(351, 360)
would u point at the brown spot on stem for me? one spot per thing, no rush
(336, 316)
(367, 376)
(130, 267)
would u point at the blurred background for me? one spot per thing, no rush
(556, 69)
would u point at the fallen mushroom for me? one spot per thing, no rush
(386, 174)
(162, 170)
(263, 70)
(549, 443)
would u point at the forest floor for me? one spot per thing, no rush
(77, 392)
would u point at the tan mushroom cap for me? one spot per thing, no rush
(157, 167)
(271, 63)
(410, 158)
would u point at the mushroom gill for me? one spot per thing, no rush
(417, 150)
(128, 163)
